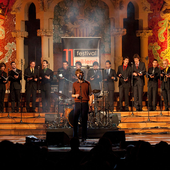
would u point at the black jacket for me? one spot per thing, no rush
(46, 83)
(15, 83)
(2, 84)
(168, 79)
(97, 78)
(126, 74)
(153, 81)
(31, 83)
(109, 84)
(139, 79)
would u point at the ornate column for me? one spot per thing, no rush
(46, 45)
(117, 33)
(144, 34)
(20, 35)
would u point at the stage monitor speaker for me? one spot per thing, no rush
(116, 137)
(57, 138)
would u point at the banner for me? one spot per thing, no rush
(85, 50)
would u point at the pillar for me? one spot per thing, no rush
(20, 35)
(117, 33)
(46, 46)
(144, 34)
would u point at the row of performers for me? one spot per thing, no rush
(127, 75)
(32, 76)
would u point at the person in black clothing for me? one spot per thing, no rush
(46, 76)
(64, 73)
(31, 78)
(94, 76)
(124, 74)
(165, 77)
(3, 81)
(15, 75)
(153, 75)
(139, 71)
(109, 78)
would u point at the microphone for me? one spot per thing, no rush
(87, 66)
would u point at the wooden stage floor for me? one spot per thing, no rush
(151, 138)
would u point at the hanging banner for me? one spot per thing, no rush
(85, 50)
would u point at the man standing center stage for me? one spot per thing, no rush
(15, 75)
(46, 76)
(31, 77)
(81, 93)
(139, 71)
(109, 78)
(124, 74)
(153, 75)
(165, 77)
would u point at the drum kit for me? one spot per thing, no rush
(98, 116)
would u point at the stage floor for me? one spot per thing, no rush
(151, 138)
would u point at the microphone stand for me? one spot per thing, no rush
(38, 92)
(148, 88)
(160, 93)
(8, 98)
(21, 95)
(132, 90)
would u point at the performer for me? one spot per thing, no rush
(109, 78)
(165, 77)
(46, 76)
(64, 73)
(139, 71)
(78, 65)
(81, 92)
(3, 81)
(124, 74)
(94, 76)
(153, 75)
(31, 77)
(15, 75)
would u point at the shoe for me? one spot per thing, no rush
(83, 140)
(33, 111)
(150, 109)
(121, 109)
(166, 109)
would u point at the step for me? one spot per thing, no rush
(25, 120)
(144, 119)
(147, 130)
(22, 132)
(24, 115)
(23, 126)
(144, 125)
(144, 113)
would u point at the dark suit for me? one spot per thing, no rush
(46, 89)
(31, 87)
(96, 74)
(153, 87)
(15, 88)
(138, 83)
(2, 91)
(109, 86)
(124, 85)
(64, 84)
(165, 86)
